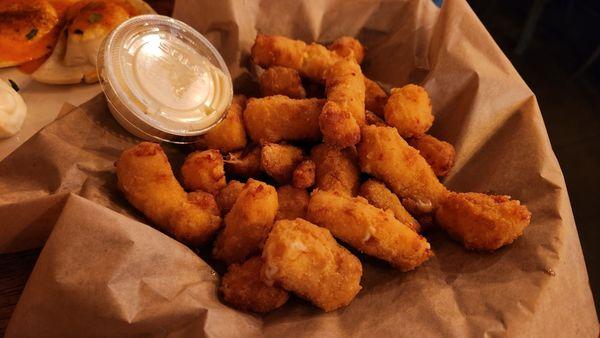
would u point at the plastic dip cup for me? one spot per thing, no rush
(163, 80)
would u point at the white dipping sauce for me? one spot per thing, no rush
(12, 110)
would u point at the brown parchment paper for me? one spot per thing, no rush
(44, 104)
(103, 272)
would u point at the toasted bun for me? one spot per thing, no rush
(89, 22)
(29, 30)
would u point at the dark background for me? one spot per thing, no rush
(559, 62)
(556, 59)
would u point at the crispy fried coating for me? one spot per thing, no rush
(228, 195)
(281, 81)
(439, 154)
(292, 202)
(347, 46)
(204, 170)
(305, 259)
(408, 109)
(243, 163)
(336, 169)
(381, 197)
(304, 174)
(229, 134)
(242, 288)
(338, 126)
(280, 160)
(373, 119)
(145, 176)
(279, 118)
(311, 60)
(386, 156)
(482, 222)
(375, 97)
(344, 112)
(368, 229)
(247, 224)
(205, 201)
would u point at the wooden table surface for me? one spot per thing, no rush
(15, 268)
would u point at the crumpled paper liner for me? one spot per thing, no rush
(102, 273)
(45, 103)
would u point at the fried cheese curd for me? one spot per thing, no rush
(385, 155)
(347, 46)
(344, 112)
(279, 118)
(293, 202)
(242, 288)
(303, 176)
(281, 81)
(368, 229)
(439, 154)
(310, 60)
(482, 222)
(145, 177)
(408, 109)
(381, 197)
(313, 60)
(230, 134)
(336, 169)
(305, 259)
(243, 163)
(205, 201)
(280, 160)
(247, 224)
(228, 195)
(204, 170)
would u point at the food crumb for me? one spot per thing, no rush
(550, 272)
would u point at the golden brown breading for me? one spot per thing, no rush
(408, 109)
(310, 60)
(375, 97)
(305, 259)
(228, 195)
(381, 197)
(205, 201)
(204, 170)
(145, 176)
(338, 126)
(373, 119)
(279, 118)
(385, 155)
(336, 169)
(344, 112)
(247, 224)
(243, 163)
(439, 154)
(242, 288)
(229, 134)
(368, 229)
(281, 81)
(304, 175)
(347, 46)
(482, 221)
(280, 160)
(292, 202)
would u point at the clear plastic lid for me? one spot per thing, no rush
(163, 80)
